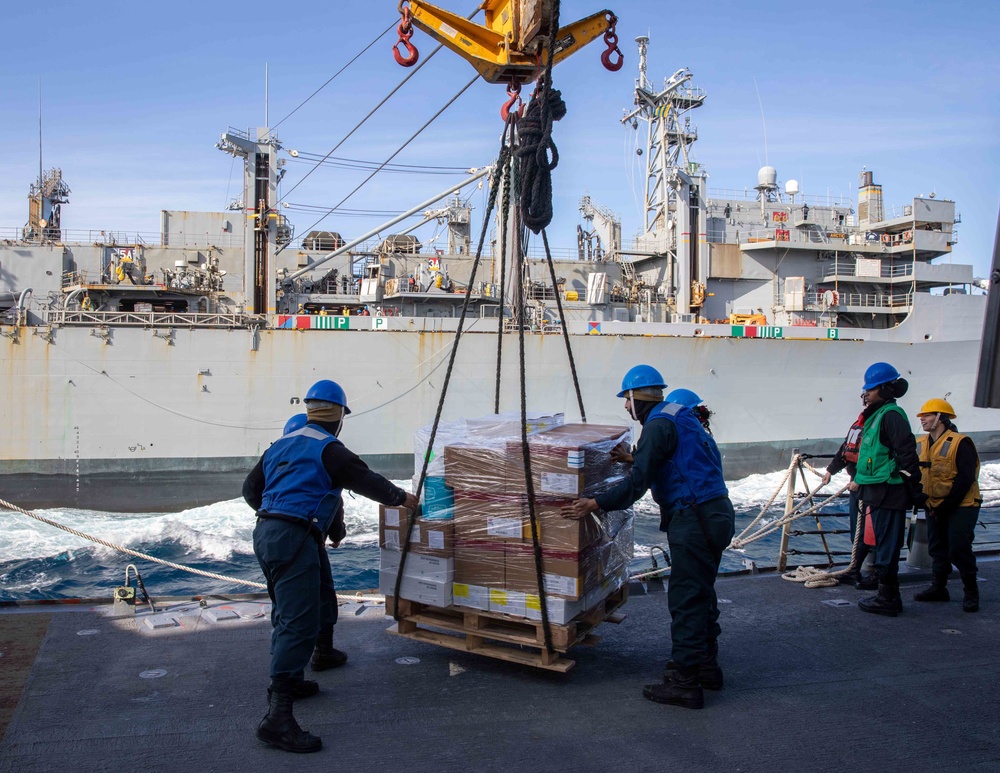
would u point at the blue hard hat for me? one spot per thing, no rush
(641, 377)
(880, 373)
(684, 397)
(328, 392)
(298, 421)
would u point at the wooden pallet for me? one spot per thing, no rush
(515, 640)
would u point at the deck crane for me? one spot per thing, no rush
(510, 47)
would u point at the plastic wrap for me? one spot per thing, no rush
(472, 545)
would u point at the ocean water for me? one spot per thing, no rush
(38, 561)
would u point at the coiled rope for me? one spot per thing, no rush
(129, 551)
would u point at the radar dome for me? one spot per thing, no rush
(768, 176)
(792, 187)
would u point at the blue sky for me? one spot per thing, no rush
(136, 95)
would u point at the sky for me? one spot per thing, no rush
(135, 95)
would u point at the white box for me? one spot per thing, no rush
(424, 567)
(435, 594)
(561, 611)
(471, 596)
(508, 602)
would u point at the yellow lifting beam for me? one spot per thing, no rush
(510, 48)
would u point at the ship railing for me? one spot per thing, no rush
(105, 238)
(786, 232)
(72, 317)
(849, 268)
(876, 300)
(750, 194)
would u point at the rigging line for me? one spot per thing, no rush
(387, 170)
(369, 164)
(317, 91)
(361, 123)
(399, 150)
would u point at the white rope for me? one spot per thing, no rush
(739, 543)
(812, 577)
(129, 551)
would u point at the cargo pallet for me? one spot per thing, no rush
(492, 634)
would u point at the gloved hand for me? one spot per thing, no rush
(919, 499)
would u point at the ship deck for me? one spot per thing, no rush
(811, 684)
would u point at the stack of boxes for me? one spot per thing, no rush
(492, 566)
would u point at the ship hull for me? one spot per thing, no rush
(136, 420)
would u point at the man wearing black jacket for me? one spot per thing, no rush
(296, 490)
(887, 480)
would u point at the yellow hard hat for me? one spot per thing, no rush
(937, 405)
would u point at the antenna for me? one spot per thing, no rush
(759, 102)
(40, 146)
(266, 124)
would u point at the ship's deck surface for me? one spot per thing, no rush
(810, 685)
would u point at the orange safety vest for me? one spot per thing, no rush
(938, 470)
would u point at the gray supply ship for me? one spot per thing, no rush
(177, 362)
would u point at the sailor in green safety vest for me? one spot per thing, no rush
(887, 479)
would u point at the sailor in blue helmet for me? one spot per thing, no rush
(296, 490)
(887, 480)
(679, 461)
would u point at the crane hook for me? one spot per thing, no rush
(611, 39)
(405, 30)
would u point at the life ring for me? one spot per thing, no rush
(886, 238)
(907, 236)
(835, 300)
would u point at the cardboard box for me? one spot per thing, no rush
(508, 424)
(495, 517)
(424, 567)
(476, 467)
(437, 538)
(560, 610)
(471, 596)
(392, 523)
(570, 461)
(479, 562)
(564, 573)
(508, 602)
(436, 594)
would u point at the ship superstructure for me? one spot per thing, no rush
(183, 352)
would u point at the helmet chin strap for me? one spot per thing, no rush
(340, 426)
(937, 422)
(631, 405)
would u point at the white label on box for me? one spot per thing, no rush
(504, 527)
(435, 540)
(560, 483)
(574, 460)
(415, 536)
(392, 516)
(391, 539)
(564, 586)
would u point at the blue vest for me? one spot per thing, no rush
(296, 484)
(693, 474)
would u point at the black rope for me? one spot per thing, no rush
(535, 131)
(565, 330)
(411, 520)
(508, 139)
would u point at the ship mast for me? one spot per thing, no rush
(674, 211)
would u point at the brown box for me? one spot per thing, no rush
(476, 468)
(437, 537)
(573, 460)
(566, 574)
(558, 533)
(479, 562)
(490, 516)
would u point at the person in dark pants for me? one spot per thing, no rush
(846, 458)
(681, 464)
(887, 479)
(950, 467)
(296, 490)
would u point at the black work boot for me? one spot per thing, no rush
(937, 591)
(970, 602)
(682, 689)
(279, 728)
(326, 656)
(867, 581)
(887, 602)
(709, 672)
